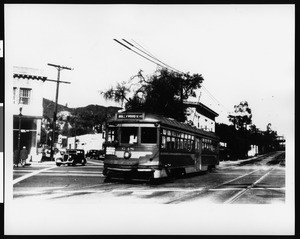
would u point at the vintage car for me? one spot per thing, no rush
(70, 157)
(95, 154)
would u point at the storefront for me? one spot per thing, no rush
(30, 133)
(27, 109)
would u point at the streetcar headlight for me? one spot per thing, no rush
(127, 155)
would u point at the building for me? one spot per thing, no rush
(280, 143)
(201, 116)
(27, 108)
(86, 142)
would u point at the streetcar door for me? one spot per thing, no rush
(198, 154)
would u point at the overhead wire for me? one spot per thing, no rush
(143, 48)
(152, 56)
(137, 53)
(148, 53)
(214, 99)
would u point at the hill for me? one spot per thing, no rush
(94, 110)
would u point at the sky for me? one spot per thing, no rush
(243, 52)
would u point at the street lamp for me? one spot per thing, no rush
(19, 132)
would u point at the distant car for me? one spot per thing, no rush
(46, 155)
(95, 154)
(70, 157)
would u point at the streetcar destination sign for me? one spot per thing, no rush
(130, 116)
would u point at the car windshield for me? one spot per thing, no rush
(72, 152)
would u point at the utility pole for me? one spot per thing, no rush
(59, 68)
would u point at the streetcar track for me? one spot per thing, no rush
(217, 188)
(206, 189)
(242, 192)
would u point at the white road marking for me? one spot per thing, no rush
(68, 192)
(269, 188)
(31, 174)
(60, 171)
(142, 192)
(71, 174)
(96, 163)
(136, 191)
(224, 189)
(234, 189)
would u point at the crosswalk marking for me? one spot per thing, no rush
(31, 174)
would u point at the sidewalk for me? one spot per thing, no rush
(232, 163)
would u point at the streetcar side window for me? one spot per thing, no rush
(168, 142)
(175, 140)
(129, 135)
(197, 144)
(148, 135)
(209, 145)
(163, 142)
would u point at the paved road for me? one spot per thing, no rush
(260, 180)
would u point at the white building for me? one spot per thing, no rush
(201, 116)
(27, 108)
(86, 142)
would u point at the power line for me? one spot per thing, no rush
(214, 99)
(138, 53)
(152, 56)
(148, 53)
(168, 67)
(143, 48)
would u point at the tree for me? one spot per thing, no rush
(118, 94)
(63, 122)
(161, 93)
(242, 116)
(237, 141)
(270, 139)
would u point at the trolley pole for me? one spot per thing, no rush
(59, 68)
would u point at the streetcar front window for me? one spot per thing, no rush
(129, 135)
(148, 135)
(112, 134)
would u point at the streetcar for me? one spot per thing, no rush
(149, 146)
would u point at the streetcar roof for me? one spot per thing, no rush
(141, 117)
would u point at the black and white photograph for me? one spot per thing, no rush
(147, 119)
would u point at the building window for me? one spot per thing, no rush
(24, 96)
